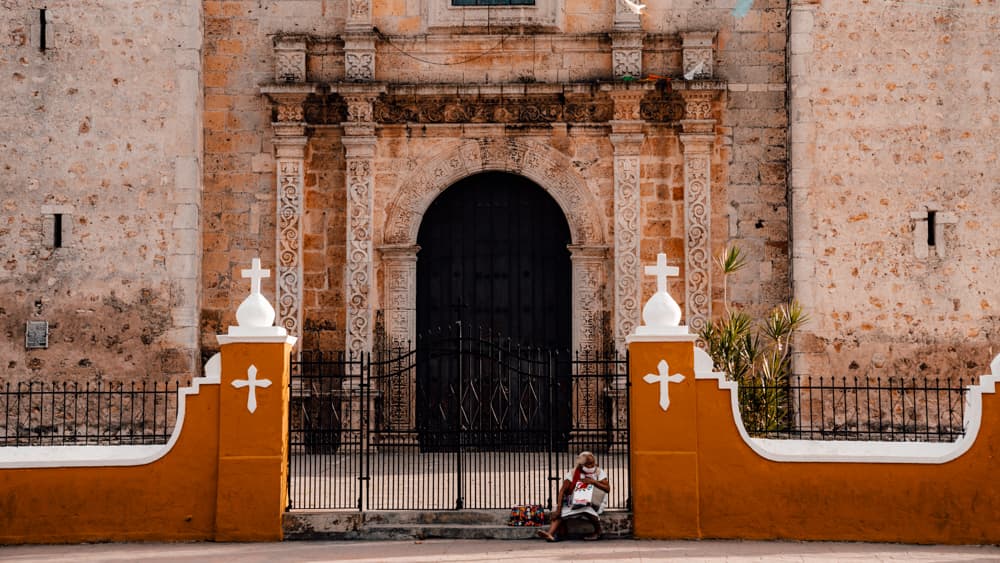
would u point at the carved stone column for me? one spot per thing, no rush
(359, 147)
(589, 273)
(627, 138)
(399, 264)
(290, 142)
(697, 139)
(589, 283)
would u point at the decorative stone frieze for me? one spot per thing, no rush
(289, 59)
(698, 59)
(536, 109)
(626, 53)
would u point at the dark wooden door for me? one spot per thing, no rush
(493, 256)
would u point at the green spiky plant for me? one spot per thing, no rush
(754, 354)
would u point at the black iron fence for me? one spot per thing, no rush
(67, 413)
(894, 409)
(455, 422)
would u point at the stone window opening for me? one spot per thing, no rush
(929, 230)
(56, 226)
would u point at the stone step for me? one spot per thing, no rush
(389, 517)
(415, 524)
(448, 531)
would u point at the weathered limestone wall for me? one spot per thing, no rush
(412, 46)
(239, 216)
(103, 127)
(894, 113)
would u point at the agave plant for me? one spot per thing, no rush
(755, 354)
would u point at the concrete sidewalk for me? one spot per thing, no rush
(440, 551)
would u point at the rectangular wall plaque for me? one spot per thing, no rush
(36, 335)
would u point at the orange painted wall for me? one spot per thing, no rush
(171, 499)
(695, 477)
(224, 478)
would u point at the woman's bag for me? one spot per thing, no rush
(527, 515)
(583, 495)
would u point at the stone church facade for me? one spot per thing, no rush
(169, 142)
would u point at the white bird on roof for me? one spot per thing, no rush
(634, 6)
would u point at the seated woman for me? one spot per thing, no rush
(588, 473)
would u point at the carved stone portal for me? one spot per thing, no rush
(546, 167)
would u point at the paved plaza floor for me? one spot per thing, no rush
(441, 551)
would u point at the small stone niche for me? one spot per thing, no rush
(929, 231)
(57, 225)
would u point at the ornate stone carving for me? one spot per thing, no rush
(628, 103)
(589, 266)
(666, 107)
(359, 56)
(359, 11)
(697, 224)
(542, 164)
(359, 242)
(627, 287)
(698, 60)
(359, 109)
(486, 110)
(698, 105)
(289, 59)
(360, 66)
(626, 53)
(290, 112)
(290, 153)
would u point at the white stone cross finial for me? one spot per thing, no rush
(255, 273)
(665, 379)
(253, 383)
(662, 315)
(662, 272)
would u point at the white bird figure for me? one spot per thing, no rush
(689, 75)
(634, 6)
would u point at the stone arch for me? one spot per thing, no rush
(545, 166)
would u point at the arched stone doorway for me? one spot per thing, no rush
(494, 297)
(493, 256)
(538, 163)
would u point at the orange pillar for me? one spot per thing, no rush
(253, 438)
(664, 443)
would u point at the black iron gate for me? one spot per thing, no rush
(372, 433)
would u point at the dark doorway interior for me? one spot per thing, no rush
(493, 306)
(493, 255)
